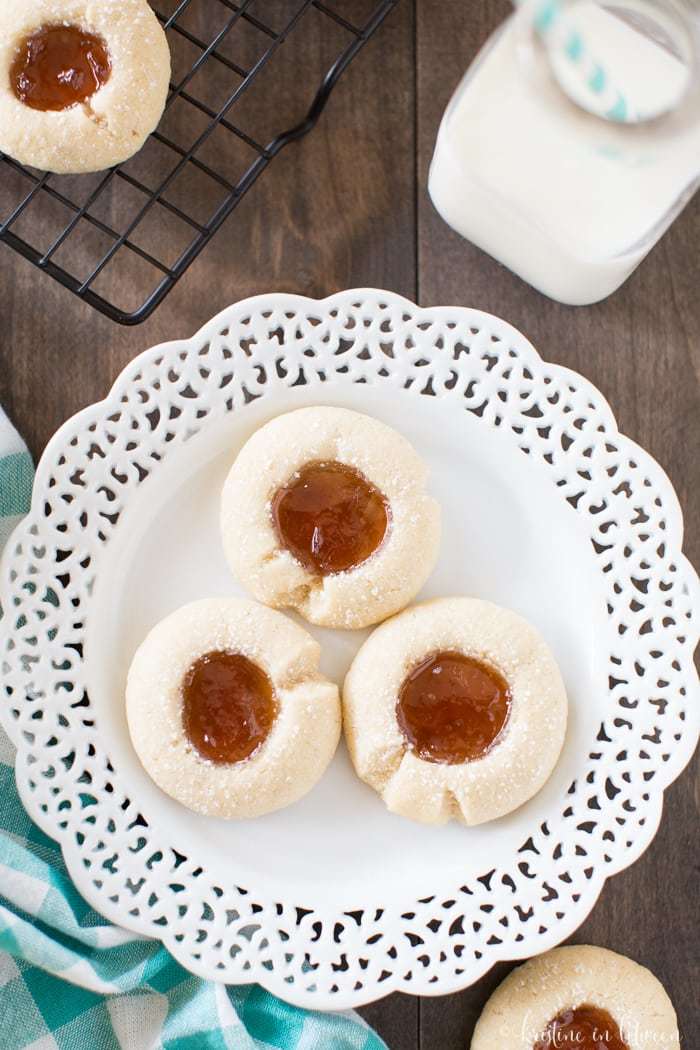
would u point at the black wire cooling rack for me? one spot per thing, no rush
(139, 226)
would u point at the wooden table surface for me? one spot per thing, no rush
(348, 207)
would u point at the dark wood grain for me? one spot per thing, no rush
(641, 349)
(348, 207)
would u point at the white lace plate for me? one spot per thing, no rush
(334, 902)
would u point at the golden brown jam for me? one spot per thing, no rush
(452, 707)
(58, 67)
(229, 706)
(330, 517)
(582, 1028)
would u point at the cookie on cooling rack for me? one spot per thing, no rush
(326, 510)
(578, 996)
(227, 710)
(82, 83)
(454, 708)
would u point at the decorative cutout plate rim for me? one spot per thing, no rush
(318, 958)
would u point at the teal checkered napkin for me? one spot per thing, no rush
(69, 980)
(16, 472)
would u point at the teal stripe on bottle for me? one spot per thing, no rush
(574, 47)
(546, 16)
(618, 111)
(597, 79)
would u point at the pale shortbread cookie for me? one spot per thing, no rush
(114, 123)
(522, 756)
(376, 588)
(301, 742)
(519, 1011)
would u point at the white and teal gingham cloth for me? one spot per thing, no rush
(71, 981)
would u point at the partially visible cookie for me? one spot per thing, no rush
(454, 708)
(227, 710)
(326, 511)
(82, 82)
(578, 996)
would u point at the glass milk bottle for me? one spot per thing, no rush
(574, 140)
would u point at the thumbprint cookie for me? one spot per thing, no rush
(325, 510)
(578, 996)
(227, 710)
(82, 82)
(454, 708)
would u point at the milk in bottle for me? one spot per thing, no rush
(529, 167)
